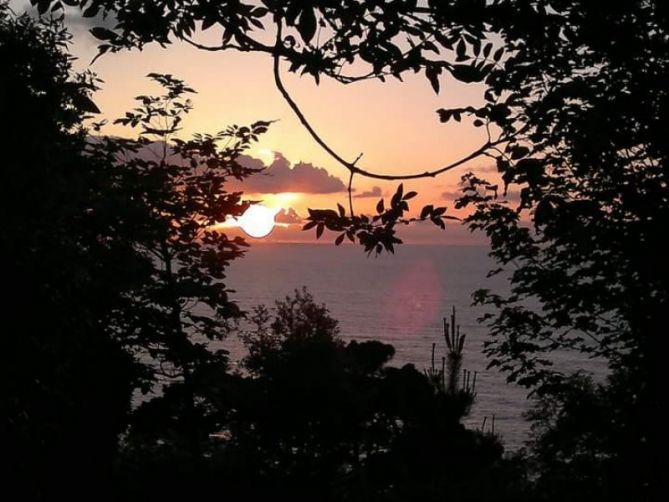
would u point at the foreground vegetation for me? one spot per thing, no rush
(109, 251)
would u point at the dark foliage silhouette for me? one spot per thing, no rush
(574, 114)
(584, 245)
(66, 382)
(580, 433)
(323, 418)
(180, 187)
(315, 417)
(109, 253)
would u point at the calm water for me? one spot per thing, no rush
(398, 299)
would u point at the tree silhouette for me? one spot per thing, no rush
(180, 188)
(66, 380)
(574, 115)
(593, 186)
(321, 417)
(115, 270)
(583, 245)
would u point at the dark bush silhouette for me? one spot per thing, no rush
(107, 252)
(574, 113)
(315, 417)
(328, 419)
(66, 383)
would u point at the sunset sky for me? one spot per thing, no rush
(393, 124)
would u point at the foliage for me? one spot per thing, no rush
(377, 233)
(314, 416)
(581, 439)
(583, 248)
(66, 382)
(325, 38)
(574, 114)
(327, 418)
(446, 380)
(180, 188)
(115, 271)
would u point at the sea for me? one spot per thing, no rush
(399, 299)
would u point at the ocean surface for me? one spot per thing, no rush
(400, 299)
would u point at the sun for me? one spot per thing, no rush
(258, 220)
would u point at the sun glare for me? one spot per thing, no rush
(258, 220)
(264, 154)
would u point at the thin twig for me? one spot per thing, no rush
(350, 186)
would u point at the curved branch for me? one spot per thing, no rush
(214, 48)
(351, 165)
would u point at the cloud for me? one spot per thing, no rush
(280, 176)
(490, 168)
(288, 216)
(374, 192)
(451, 194)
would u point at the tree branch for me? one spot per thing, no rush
(351, 165)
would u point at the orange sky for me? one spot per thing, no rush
(394, 124)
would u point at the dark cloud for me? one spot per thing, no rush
(288, 216)
(280, 176)
(374, 192)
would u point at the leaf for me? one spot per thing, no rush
(319, 230)
(43, 6)
(487, 49)
(432, 73)
(543, 212)
(340, 239)
(85, 104)
(208, 22)
(102, 33)
(461, 51)
(410, 195)
(92, 11)
(426, 211)
(379, 206)
(342, 211)
(395, 201)
(444, 115)
(518, 152)
(467, 74)
(307, 24)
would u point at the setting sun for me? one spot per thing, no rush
(258, 220)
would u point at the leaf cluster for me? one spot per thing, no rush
(376, 233)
